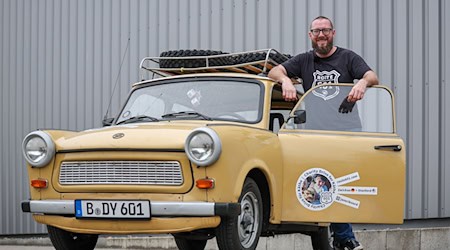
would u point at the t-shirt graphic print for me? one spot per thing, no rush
(326, 77)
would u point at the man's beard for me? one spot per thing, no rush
(322, 50)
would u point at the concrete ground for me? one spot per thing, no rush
(392, 239)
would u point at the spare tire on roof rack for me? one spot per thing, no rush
(260, 56)
(185, 62)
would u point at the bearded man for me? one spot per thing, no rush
(326, 64)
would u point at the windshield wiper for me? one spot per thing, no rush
(186, 114)
(138, 118)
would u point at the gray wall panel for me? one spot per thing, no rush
(194, 24)
(371, 33)
(262, 19)
(275, 25)
(228, 25)
(62, 61)
(445, 114)
(416, 129)
(341, 20)
(287, 27)
(432, 107)
(216, 24)
(385, 33)
(6, 26)
(401, 83)
(356, 20)
(238, 32)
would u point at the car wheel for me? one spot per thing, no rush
(64, 240)
(185, 62)
(321, 239)
(188, 244)
(243, 231)
(260, 56)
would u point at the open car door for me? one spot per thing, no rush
(343, 162)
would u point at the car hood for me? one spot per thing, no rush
(161, 135)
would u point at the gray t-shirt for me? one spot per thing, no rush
(344, 66)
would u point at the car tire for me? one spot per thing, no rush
(192, 63)
(242, 232)
(64, 240)
(188, 244)
(320, 240)
(260, 56)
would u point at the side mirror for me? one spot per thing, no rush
(299, 116)
(107, 121)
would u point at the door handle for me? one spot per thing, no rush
(389, 147)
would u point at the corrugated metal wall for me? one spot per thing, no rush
(60, 61)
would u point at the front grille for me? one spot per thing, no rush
(121, 172)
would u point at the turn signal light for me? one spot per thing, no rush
(39, 183)
(205, 183)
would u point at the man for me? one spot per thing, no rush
(327, 63)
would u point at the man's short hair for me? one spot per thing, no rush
(322, 17)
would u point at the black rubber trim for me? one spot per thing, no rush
(227, 209)
(170, 150)
(26, 206)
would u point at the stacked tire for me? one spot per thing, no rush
(260, 56)
(186, 62)
(195, 62)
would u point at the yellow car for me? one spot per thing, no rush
(214, 151)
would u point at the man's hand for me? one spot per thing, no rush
(289, 91)
(346, 106)
(357, 92)
(279, 74)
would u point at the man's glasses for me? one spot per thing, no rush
(326, 31)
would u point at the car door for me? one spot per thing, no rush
(343, 163)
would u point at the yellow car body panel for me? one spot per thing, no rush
(255, 149)
(383, 206)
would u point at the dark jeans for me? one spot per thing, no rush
(342, 231)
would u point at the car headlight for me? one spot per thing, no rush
(203, 146)
(38, 148)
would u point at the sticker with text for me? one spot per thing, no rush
(317, 189)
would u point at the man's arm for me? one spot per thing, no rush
(357, 93)
(280, 75)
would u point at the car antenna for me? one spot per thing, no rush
(117, 79)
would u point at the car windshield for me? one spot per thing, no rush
(196, 99)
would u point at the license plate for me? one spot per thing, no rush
(116, 209)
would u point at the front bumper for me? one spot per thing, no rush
(166, 217)
(158, 208)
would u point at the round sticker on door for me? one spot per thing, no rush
(316, 189)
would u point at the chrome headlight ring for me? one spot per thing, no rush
(203, 146)
(38, 148)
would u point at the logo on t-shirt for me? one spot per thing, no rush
(326, 77)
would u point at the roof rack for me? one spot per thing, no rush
(252, 62)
